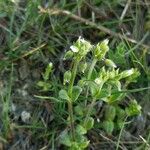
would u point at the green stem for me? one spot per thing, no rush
(70, 103)
(70, 109)
(118, 142)
(89, 76)
(92, 105)
(91, 68)
(74, 71)
(89, 111)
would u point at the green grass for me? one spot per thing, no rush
(39, 38)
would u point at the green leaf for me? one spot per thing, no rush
(81, 130)
(45, 85)
(115, 97)
(108, 126)
(76, 92)
(103, 93)
(89, 123)
(118, 54)
(64, 95)
(75, 146)
(110, 112)
(47, 71)
(119, 124)
(93, 88)
(40, 83)
(79, 110)
(65, 139)
(68, 55)
(84, 142)
(121, 114)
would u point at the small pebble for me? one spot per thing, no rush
(25, 116)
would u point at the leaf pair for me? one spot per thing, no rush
(76, 91)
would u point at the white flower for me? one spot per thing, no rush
(97, 81)
(128, 72)
(82, 40)
(74, 49)
(106, 41)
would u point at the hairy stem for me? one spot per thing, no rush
(91, 68)
(70, 103)
(89, 76)
(92, 104)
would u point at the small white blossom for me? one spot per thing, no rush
(74, 49)
(82, 40)
(128, 72)
(97, 81)
(106, 41)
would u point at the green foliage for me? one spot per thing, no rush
(94, 84)
(89, 123)
(45, 84)
(64, 95)
(65, 139)
(101, 78)
(108, 126)
(110, 112)
(81, 130)
(133, 108)
(118, 55)
(67, 77)
(76, 91)
(101, 49)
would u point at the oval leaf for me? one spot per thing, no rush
(81, 130)
(64, 95)
(89, 123)
(76, 92)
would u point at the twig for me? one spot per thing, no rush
(125, 10)
(108, 139)
(147, 144)
(30, 52)
(55, 11)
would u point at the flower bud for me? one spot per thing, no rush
(74, 49)
(81, 47)
(48, 71)
(126, 73)
(67, 77)
(101, 49)
(110, 63)
(83, 67)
